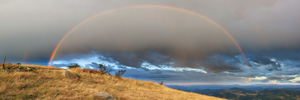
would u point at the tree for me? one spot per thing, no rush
(120, 73)
(103, 69)
(74, 66)
(161, 83)
(18, 64)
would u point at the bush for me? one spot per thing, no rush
(103, 69)
(30, 69)
(120, 73)
(74, 66)
(18, 64)
(161, 83)
(90, 71)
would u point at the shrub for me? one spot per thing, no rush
(90, 71)
(30, 69)
(120, 73)
(103, 69)
(74, 66)
(18, 64)
(161, 83)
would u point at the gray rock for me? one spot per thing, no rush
(103, 96)
(71, 75)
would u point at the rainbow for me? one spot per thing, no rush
(158, 6)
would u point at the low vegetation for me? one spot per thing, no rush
(103, 69)
(49, 83)
(73, 66)
(244, 94)
(161, 83)
(120, 73)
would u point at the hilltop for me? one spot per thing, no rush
(44, 82)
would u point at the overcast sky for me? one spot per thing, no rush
(160, 44)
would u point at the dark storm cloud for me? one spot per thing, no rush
(288, 70)
(129, 34)
(131, 31)
(184, 77)
(131, 39)
(256, 24)
(247, 74)
(282, 78)
(135, 59)
(270, 65)
(215, 64)
(278, 78)
(278, 53)
(276, 64)
(219, 63)
(237, 71)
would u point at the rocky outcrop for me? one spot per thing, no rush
(71, 75)
(103, 96)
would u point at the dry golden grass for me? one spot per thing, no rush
(39, 66)
(51, 84)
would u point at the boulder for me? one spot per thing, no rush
(71, 75)
(103, 96)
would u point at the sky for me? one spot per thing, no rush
(159, 43)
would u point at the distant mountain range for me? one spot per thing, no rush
(257, 87)
(244, 94)
(254, 92)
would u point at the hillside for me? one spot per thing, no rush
(43, 82)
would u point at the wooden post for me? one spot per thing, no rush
(3, 66)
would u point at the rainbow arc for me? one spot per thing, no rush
(156, 6)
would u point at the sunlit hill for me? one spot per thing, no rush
(44, 82)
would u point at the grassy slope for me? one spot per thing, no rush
(51, 84)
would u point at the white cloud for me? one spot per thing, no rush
(170, 68)
(297, 79)
(259, 78)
